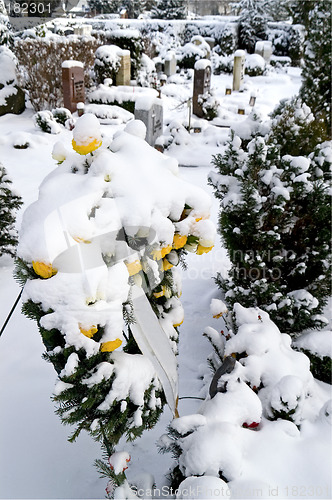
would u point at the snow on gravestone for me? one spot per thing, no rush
(73, 84)
(238, 69)
(202, 83)
(150, 111)
(264, 49)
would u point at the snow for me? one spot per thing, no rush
(146, 103)
(87, 129)
(202, 64)
(203, 487)
(319, 343)
(72, 64)
(253, 460)
(8, 69)
(239, 53)
(119, 461)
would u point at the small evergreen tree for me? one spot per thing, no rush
(299, 11)
(9, 203)
(252, 23)
(170, 9)
(275, 223)
(316, 74)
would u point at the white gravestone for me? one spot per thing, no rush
(170, 64)
(150, 111)
(264, 49)
(238, 70)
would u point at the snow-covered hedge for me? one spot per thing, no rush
(40, 61)
(110, 226)
(123, 96)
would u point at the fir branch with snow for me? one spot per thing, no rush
(10, 202)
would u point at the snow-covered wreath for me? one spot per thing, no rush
(98, 258)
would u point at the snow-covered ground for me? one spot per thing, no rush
(36, 461)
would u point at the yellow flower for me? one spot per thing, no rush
(166, 265)
(159, 294)
(217, 316)
(84, 149)
(111, 345)
(178, 324)
(89, 333)
(134, 267)
(44, 270)
(165, 250)
(78, 239)
(179, 241)
(156, 254)
(200, 249)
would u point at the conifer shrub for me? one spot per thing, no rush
(316, 88)
(275, 224)
(127, 40)
(9, 203)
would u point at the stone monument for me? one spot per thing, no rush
(238, 70)
(150, 111)
(123, 75)
(72, 84)
(202, 83)
(170, 64)
(264, 49)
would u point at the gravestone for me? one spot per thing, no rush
(264, 49)
(72, 84)
(123, 75)
(238, 70)
(170, 64)
(83, 30)
(150, 111)
(202, 84)
(252, 100)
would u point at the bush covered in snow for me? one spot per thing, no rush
(252, 23)
(316, 90)
(50, 121)
(6, 36)
(12, 97)
(266, 381)
(192, 51)
(126, 39)
(294, 129)
(287, 40)
(255, 65)
(318, 347)
(275, 223)
(107, 62)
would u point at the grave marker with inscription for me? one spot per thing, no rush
(150, 111)
(202, 84)
(72, 84)
(238, 70)
(123, 75)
